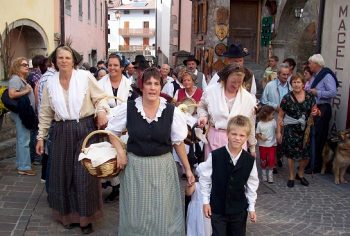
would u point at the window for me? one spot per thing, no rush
(67, 7)
(109, 30)
(126, 12)
(89, 10)
(108, 16)
(146, 12)
(80, 9)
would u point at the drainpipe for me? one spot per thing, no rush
(106, 28)
(179, 17)
(320, 26)
(62, 22)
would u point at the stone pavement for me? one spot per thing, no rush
(323, 208)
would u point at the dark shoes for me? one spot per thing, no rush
(71, 226)
(279, 163)
(113, 195)
(86, 229)
(290, 183)
(303, 181)
(274, 171)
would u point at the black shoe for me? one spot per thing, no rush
(279, 163)
(274, 171)
(290, 183)
(71, 226)
(86, 229)
(303, 181)
(113, 195)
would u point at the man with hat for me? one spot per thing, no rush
(236, 54)
(191, 64)
(140, 64)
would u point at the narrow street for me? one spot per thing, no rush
(320, 209)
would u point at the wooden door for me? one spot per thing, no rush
(146, 24)
(126, 41)
(126, 24)
(145, 41)
(244, 25)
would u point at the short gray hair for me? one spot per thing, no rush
(318, 59)
(281, 66)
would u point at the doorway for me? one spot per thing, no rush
(244, 26)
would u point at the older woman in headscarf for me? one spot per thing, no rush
(224, 100)
(71, 98)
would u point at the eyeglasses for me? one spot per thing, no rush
(25, 65)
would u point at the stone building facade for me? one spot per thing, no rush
(292, 35)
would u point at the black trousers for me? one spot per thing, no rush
(229, 225)
(321, 129)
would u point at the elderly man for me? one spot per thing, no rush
(324, 87)
(273, 94)
(276, 89)
(236, 54)
(191, 64)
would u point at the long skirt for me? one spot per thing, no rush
(73, 194)
(150, 199)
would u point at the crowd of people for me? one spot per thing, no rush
(72, 99)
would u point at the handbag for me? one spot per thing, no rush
(9, 103)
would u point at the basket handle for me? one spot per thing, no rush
(100, 132)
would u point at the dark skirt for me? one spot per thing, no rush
(73, 194)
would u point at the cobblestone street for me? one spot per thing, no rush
(320, 209)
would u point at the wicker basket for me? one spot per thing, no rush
(107, 169)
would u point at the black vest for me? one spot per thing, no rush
(149, 139)
(228, 182)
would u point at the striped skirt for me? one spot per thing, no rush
(150, 200)
(73, 194)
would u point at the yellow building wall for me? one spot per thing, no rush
(42, 12)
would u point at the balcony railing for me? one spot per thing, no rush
(145, 32)
(137, 48)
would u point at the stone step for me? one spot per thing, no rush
(8, 148)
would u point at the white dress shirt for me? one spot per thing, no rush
(205, 170)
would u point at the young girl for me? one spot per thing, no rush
(197, 224)
(266, 136)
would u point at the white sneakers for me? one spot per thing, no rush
(267, 177)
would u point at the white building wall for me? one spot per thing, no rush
(163, 29)
(135, 19)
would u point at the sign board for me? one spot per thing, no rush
(266, 31)
(336, 53)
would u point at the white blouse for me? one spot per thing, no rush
(117, 123)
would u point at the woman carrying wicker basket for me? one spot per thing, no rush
(150, 200)
(115, 84)
(71, 98)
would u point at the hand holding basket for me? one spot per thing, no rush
(108, 168)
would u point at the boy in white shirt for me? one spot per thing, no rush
(229, 181)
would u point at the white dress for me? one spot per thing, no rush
(197, 223)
